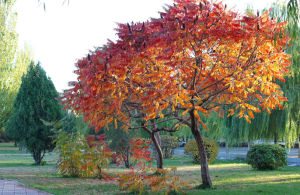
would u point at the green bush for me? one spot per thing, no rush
(266, 156)
(211, 148)
(168, 144)
(79, 157)
(3, 137)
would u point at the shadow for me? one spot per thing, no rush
(3, 165)
(32, 165)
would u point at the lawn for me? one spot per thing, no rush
(9, 148)
(229, 177)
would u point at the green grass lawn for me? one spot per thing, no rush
(228, 176)
(9, 148)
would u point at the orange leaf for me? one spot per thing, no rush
(250, 113)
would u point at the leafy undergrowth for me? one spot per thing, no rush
(229, 177)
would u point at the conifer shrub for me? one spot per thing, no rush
(36, 102)
(211, 149)
(266, 157)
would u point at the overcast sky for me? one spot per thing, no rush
(64, 33)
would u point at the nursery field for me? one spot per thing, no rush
(229, 177)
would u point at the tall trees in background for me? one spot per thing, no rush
(13, 63)
(8, 49)
(36, 102)
(294, 105)
(280, 125)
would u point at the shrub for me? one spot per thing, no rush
(71, 152)
(142, 174)
(82, 157)
(3, 137)
(211, 148)
(266, 156)
(120, 143)
(168, 144)
(138, 150)
(138, 178)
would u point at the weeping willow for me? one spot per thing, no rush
(280, 125)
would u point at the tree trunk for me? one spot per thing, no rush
(227, 147)
(206, 181)
(126, 158)
(159, 155)
(37, 157)
(275, 138)
(155, 137)
(250, 143)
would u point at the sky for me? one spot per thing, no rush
(65, 32)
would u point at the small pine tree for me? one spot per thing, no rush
(36, 101)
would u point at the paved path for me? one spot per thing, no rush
(12, 187)
(236, 152)
(241, 152)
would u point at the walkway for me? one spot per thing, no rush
(241, 152)
(12, 187)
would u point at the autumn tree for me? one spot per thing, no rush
(195, 59)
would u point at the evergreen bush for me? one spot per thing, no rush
(211, 149)
(266, 156)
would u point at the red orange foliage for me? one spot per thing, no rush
(198, 56)
(141, 175)
(139, 151)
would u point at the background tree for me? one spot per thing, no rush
(71, 124)
(13, 63)
(8, 49)
(293, 125)
(36, 101)
(119, 143)
(168, 144)
(280, 125)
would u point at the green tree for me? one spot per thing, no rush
(293, 107)
(280, 125)
(36, 102)
(8, 49)
(74, 124)
(13, 63)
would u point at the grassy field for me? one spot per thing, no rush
(9, 148)
(229, 177)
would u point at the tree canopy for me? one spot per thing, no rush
(13, 62)
(8, 49)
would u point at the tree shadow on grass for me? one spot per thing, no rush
(22, 164)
